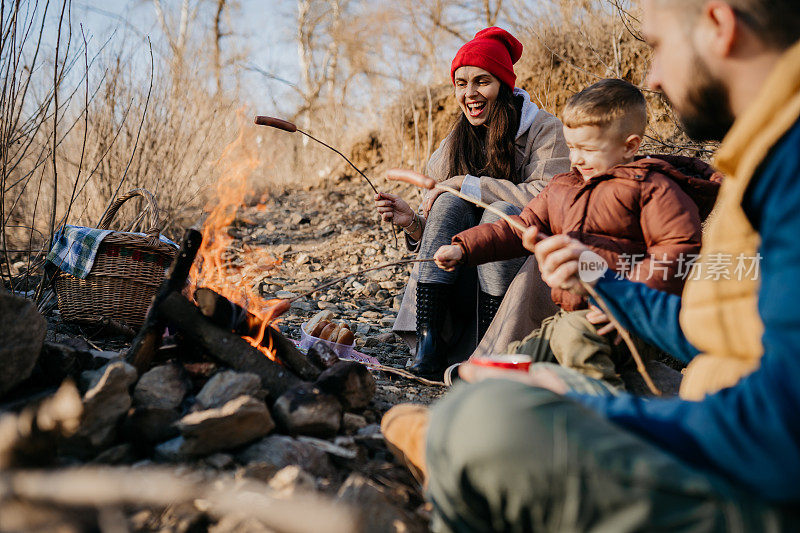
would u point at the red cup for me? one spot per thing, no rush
(512, 361)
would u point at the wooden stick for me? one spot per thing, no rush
(403, 373)
(147, 341)
(357, 273)
(513, 223)
(420, 180)
(98, 487)
(224, 345)
(233, 317)
(626, 336)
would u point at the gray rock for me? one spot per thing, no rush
(279, 451)
(220, 461)
(372, 288)
(303, 306)
(378, 511)
(259, 471)
(285, 294)
(306, 410)
(228, 385)
(350, 382)
(149, 425)
(105, 402)
(162, 387)
(237, 422)
(292, 479)
(22, 331)
(170, 451)
(353, 422)
(389, 336)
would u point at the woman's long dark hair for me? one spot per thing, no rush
(487, 150)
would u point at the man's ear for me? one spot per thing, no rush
(632, 144)
(717, 29)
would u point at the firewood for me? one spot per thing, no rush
(144, 345)
(231, 316)
(350, 382)
(224, 345)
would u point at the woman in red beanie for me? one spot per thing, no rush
(502, 149)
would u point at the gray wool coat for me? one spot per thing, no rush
(541, 153)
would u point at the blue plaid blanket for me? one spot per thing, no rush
(75, 248)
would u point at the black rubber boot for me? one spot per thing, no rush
(487, 308)
(430, 359)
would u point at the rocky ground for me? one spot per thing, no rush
(317, 234)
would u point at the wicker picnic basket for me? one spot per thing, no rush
(127, 271)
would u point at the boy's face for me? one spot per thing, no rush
(594, 150)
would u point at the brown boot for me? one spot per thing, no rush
(404, 427)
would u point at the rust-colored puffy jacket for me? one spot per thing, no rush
(648, 211)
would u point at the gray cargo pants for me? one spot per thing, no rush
(503, 456)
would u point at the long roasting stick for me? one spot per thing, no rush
(425, 182)
(291, 127)
(279, 306)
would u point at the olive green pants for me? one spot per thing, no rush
(504, 456)
(569, 339)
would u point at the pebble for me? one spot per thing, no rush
(371, 315)
(387, 321)
(302, 306)
(328, 306)
(284, 294)
(372, 288)
(302, 259)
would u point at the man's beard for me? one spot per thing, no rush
(706, 114)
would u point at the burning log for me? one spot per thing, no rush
(227, 314)
(147, 341)
(225, 346)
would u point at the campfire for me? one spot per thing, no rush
(209, 379)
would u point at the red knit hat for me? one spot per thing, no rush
(494, 50)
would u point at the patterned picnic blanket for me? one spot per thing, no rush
(75, 248)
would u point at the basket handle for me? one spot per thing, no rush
(154, 225)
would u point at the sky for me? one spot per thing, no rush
(264, 27)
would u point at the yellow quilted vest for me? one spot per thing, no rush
(719, 316)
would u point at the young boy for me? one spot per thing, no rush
(641, 215)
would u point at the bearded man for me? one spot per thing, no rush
(544, 451)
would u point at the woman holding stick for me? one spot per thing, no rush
(502, 149)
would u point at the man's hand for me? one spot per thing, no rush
(543, 378)
(558, 260)
(430, 197)
(448, 257)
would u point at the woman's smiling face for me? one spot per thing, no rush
(476, 91)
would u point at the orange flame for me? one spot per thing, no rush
(214, 267)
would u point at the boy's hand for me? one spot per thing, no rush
(447, 257)
(597, 317)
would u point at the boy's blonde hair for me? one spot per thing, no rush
(611, 103)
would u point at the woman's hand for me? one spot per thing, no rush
(448, 257)
(394, 209)
(427, 203)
